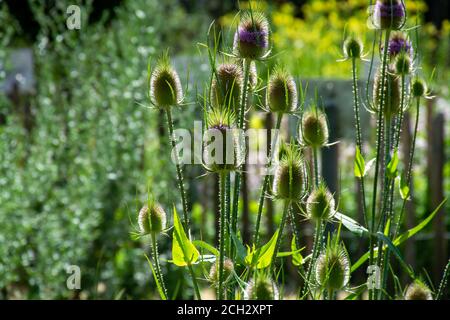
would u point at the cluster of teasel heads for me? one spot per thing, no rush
(296, 183)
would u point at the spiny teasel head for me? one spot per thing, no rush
(403, 64)
(418, 88)
(226, 86)
(251, 40)
(281, 92)
(332, 270)
(228, 268)
(353, 48)
(165, 85)
(290, 179)
(151, 218)
(418, 290)
(320, 205)
(229, 154)
(391, 94)
(389, 14)
(314, 128)
(398, 43)
(261, 287)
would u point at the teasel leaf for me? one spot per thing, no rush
(391, 168)
(184, 251)
(155, 277)
(262, 257)
(351, 224)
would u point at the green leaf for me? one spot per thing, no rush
(391, 168)
(158, 284)
(297, 258)
(408, 234)
(183, 250)
(206, 246)
(262, 257)
(359, 169)
(241, 252)
(403, 187)
(402, 238)
(351, 224)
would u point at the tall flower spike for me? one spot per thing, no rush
(152, 218)
(226, 86)
(165, 85)
(314, 128)
(229, 154)
(261, 288)
(391, 93)
(290, 176)
(320, 205)
(251, 40)
(281, 92)
(418, 291)
(333, 267)
(389, 14)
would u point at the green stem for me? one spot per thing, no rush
(444, 280)
(316, 167)
(222, 235)
(377, 161)
(228, 214)
(194, 281)
(179, 171)
(316, 249)
(286, 206)
(240, 123)
(266, 181)
(159, 274)
(358, 135)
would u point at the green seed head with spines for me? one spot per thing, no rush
(152, 218)
(165, 85)
(320, 205)
(226, 86)
(391, 94)
(281, 92)
(333, 266)
(261, 288)
(353, 48)
(228, 268)
(418, 290)
(314, 128)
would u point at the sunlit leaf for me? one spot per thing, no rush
(183, 250)
(350, 224)
(391, 168)
(359, 169)
(262, 257)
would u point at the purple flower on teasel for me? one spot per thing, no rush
(251, 40)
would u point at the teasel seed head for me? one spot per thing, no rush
(165, 85)
(251, 40)
(403, 64)
(320, 205)
(152, 218)
(398, 43)
(314, 128)
(220, 121)
(392, 92)
(418, 88)
(226, 86)
(353, 48)
(261, 288)
(418, 290)
(228, 268)
(281, 92)
(332, 269)
(389, 14)
(290, 179)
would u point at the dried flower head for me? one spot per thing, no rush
(251, 40)
(418, 290)
(261, 288)
(152, 218)
(333, 266)
(389, 14)
(353, 48)
(391, 94)
(165, 85)
(225, 150)
(228, 268)
(226, 86)
(314, 128)
(320, 205)
(281, 92)
(290, 179)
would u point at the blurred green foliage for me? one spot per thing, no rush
(69, 180)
